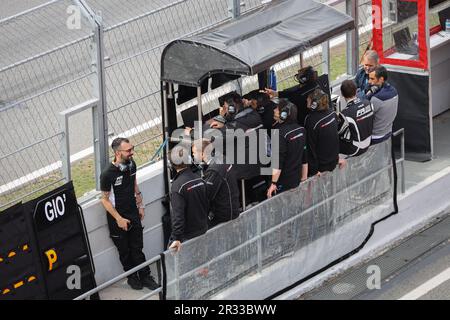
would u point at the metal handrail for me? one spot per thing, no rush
(121, 277)
(401, 160)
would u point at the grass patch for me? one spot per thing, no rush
(83, 172)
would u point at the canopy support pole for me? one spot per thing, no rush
(164, 86)
(200, 112)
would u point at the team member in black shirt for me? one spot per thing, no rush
(261, 103)
(240, 124)
(355, 122)
(292, 167)
(322, 134)
(188, 200)
(307, 79)
(221, 183)
(123, 202)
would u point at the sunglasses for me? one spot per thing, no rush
(128, 150)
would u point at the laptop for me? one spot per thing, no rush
(404, 43)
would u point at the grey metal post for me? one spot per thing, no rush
(165, 86)
(65, 148)
(402, 144)
(100, 113)
(259, 242)
(244, 205)
(177, 276)
(326, 57)
(353, 38)
(200, 112)
(234, 7)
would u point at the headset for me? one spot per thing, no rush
(372, 90)
(125, 166)
(316, 98)
(231, 109)
(306, 75)
(285, 112)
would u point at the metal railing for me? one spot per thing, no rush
(401, 160)
(122, 276)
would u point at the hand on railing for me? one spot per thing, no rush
(175, 246)
(342, 163)
(272, 190)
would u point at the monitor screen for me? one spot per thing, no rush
(444, 15)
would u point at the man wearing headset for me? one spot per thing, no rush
(292, 162)
(188, 199)
(322, 134)
(307, 79)
(236, 116)
(124, 204)
(261, 103)
(384, 98)
(221, 183)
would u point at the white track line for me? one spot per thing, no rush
(427, 286)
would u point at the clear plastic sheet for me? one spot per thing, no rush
(325, 217)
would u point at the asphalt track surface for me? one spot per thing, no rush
(416, 269)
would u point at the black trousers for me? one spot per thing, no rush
(129, 244)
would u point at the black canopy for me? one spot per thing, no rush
(253, 42)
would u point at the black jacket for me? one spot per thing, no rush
(189, 206)
(355, 139)
(298, 95)
(223, 191)
(322, 141)
(292, 138)
(249, 121)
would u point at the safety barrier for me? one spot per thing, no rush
(309, 227)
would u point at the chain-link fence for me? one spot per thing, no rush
(47, 67)
(49, 64)
(365, 25)
(44, 69)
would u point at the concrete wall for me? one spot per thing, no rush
(106, 258)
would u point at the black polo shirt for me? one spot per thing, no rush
(322, 141)
(292, 138)
(120, 184)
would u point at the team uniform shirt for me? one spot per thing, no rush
(223, 191)
(120, 184)
(292, 155)
(250, 122)
(189, 205)
(355, 139)
(322, 141)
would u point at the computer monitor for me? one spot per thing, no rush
(404, 43)
(189, 116)
(444, 15)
